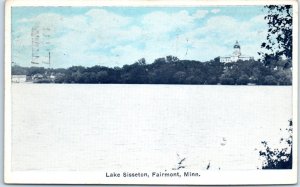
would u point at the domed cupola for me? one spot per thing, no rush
(236, 50)
(236, 45)
(236, 55)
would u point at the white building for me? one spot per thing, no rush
(237, 55)
(18, 78)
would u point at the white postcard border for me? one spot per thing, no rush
(207, 177)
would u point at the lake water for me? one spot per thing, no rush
(99, 127)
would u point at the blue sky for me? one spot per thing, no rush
(114, 36)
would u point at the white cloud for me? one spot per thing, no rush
(215, 11)
(217, 37)
(102, 19)
(162, 23)
(105, 38)
(74, 36)
(200, 14)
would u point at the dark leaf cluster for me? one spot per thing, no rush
(279, 40)
(275, 158)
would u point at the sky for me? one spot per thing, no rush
(115, 36)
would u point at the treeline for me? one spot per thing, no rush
(170, 70)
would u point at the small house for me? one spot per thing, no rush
(18, 78)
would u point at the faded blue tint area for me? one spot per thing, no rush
(114, 36)
(240, 12)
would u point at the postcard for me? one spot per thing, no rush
(151, 92)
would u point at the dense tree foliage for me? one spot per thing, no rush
(279, 158)
(279, 41)
(169, 70)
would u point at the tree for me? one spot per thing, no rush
(226, 78)
(18, 70)
(141, 61)
(102, 76)
(280, 34)
(270, 80)
(59, 78)
(179, 77)
(279, 158)
(243, 80)
(36, 70)
(172, 59)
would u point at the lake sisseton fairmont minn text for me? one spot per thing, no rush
(152, 174)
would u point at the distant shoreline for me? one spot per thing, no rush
(168, 70)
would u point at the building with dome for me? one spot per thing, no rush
(236, 55)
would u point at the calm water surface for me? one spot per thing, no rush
(96, 127)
